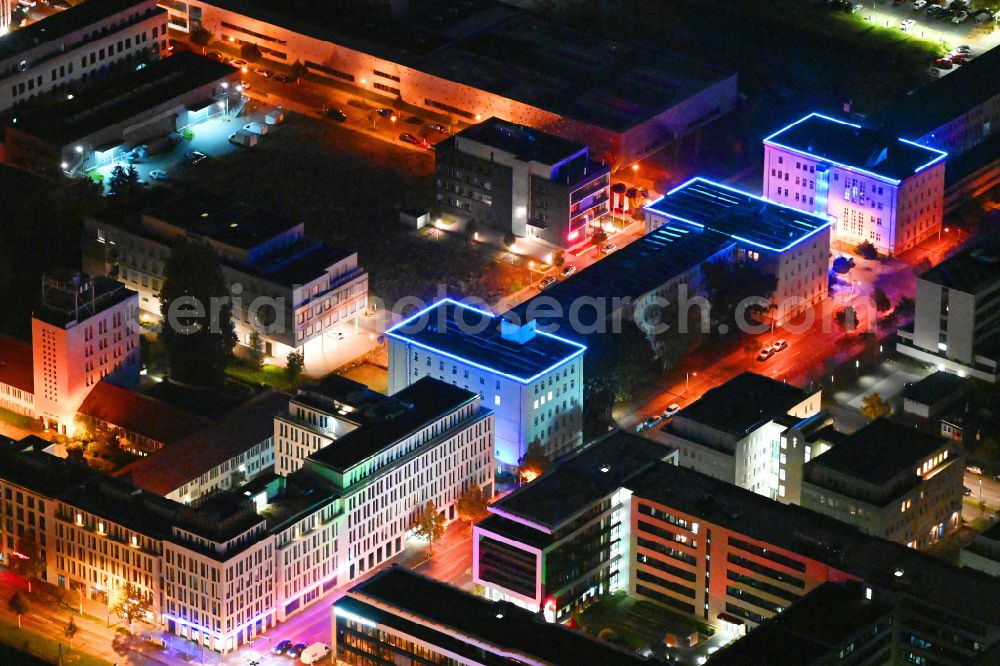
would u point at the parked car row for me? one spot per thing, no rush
(957, 56)
(772, 349)
(308, 654)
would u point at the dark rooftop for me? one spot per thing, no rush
(137, 413)
(742, 404)
(395, 418)
(68, 299)
(934, 388)
(474, 337)
(455, 620)
(875, 151)
(879, 452)
(973, 270)
(525, 143)
(121, 97)
(301, 262)
(739, 215)
(575, 483)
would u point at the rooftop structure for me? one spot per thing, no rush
(446, 620)
(875, 152)
(935, 389)
(68, 299)
(525, 144)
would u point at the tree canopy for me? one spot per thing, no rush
(729, 284)
(429, 525)
(534, 462)
(873, 407)
(471, 504)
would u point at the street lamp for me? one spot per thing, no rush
(687, 380)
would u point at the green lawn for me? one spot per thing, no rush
(270, 375)
(19, 420)
(44, 647)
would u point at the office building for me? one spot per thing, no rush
(99, 125)
(76, 46)
(420, 620)
(747, 432)
(873, 185)
(84, 330)
(296, 291)
(482, 60)
(511, 178)
(956, 325)
(552, 544)
(772, 237)
(532, 380)
(983, 552)
(889, 480)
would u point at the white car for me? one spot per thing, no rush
(907, 24)
(959, 17)
(919, 4)
(778, 345)
(314, 653)
(157, 174)
(671, 409)
(609, 248)
(765, 353)
(568, 270)
(973, 469)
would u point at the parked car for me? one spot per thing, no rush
(266, 73)
(934, 10)
(239, 63)
(440, 129)
(406, 137)
(778, 345)
(413, 120)
(958, 58)
(907, 24)
(157, 174)
(334, 114)
(385, 113)
(568, 270)
(216, 55)
(283, 78)
(964, 48)
(609, 248)
(857, 8)
(943, 63)
(996, 477)
(959, 17)
(919, 4)
(295, 650)
(282, 647)
(765, 353)
(974, 469)
(671, 409)
(197, 157)
(314, 653)
(547, 282)
(647, 423)
(967, 491)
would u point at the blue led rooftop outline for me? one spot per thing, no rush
(522, 380)
(770, 139)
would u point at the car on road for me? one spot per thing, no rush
(973, 469)
(384, 112)
(609, 248)
(414, 120)
(568, 270)
(314, 653)
(996, 477)
(765, 353)
(647, 423)
(216, 55)
(282, 647)
(964, 48)
(547, 282)
(334, 114)
(671, 409)
(158, 174)
(778, 345)
(406, 137)
(943, 63)
(919, 4)
(266, 73)
(907, 24)
(197, 157)
(440, 129)
(239, 63)
(283, 78)
(295, 650)
(967, 491)
(959, 17)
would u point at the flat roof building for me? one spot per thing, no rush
(871, 184)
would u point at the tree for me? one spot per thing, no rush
(70, 631)
(257, 350)
(296, 70)
(866, 250)
(509, 239)
(471, 504)
(128, 603)
(558, 259)
(882, 302)
(599, 235)
(201, 36)
(27, 561)
(429, 526)
(18, 605)
(534, 462)
(198, 333)
(905, 307)
(873, 407)
(728, 285)
(295, 361)
(124, 186)
(250, 52)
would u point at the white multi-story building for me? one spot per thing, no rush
(874, 187)
(532, 380)
(84, 330)
(77, 45)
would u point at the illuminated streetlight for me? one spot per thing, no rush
(635, 168)
(69, 96)
(64, 165)
(79, 149)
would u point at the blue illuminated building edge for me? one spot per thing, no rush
(823, 223)
(770, 140)
(580, 349)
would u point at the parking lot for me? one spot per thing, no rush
(917, 19)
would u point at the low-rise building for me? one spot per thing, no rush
(78, 45)
(983, 552)
(933, 394)
(416, 619)
(553, 544)
(956, 324)
(889, 480)
(531, 379)
(17, 378)
(511, 178)
(873, 185)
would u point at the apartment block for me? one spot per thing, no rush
(511, 178)
(890, 480)
(956, 324)
(746, 432)
(83, 331)
(78, 45)
(532, 380)
(552, 544)
(872, 185)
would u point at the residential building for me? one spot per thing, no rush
(78, 45)
(867, 479)
(295, 291)
(17, 378)
(956, 325)
(873, 185)
(99, 125)
(747, 432)
(532, 380)
(84, 330)
(552, 544)
(418, 619)
(771, 236)
(510, 178)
